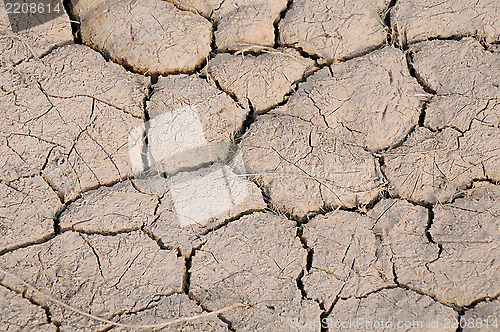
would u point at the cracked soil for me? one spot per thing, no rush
(251, 165)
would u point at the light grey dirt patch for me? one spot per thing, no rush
(484, 317)
(109, 210)
(27, 209)
(102, 275)
(171, 307)
(434, 167)
(198, 202)
(264, 80)
(33, 42)
(370, 101)
(18, 314)
(70, 119)
(150, 36)
(304, 168)
(393, 306)
(334, 30)
(422, 20)
(465, 79)
(255, 259)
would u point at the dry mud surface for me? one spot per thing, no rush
(211, 165)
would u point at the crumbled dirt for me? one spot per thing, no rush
(192, 125)
(76, 151)
(221, 119)
(251, 165)
(434, 167)
(79, 7)
(198, 202)
(355, 255)
(247, 25)
(345, 257)
(126, 209)
(172, 307)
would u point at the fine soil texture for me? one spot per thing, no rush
(250, 165)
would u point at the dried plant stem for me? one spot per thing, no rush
(130, 326)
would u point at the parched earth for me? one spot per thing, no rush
(211, 165)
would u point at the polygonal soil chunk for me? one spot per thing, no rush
(484, 317)
(198, 202)
(248, 24)
(401, 229)
(370, 101)
(465, 79)
(264, 80)
(18, 314)
(150, 36)
(100, 275)
(458, 262)
(421, 20)
(345, 261)
(240, 24)
(434, 167)
(69, 120)
(172, 307)
(76, 70)
(303, 168)
(483, 142)
(469, 231)
(334, 29)
(192, 124)
(109, 210)
(33, 42)
(27, 210)
(255, 260)
(355, 252)
(392, 309)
